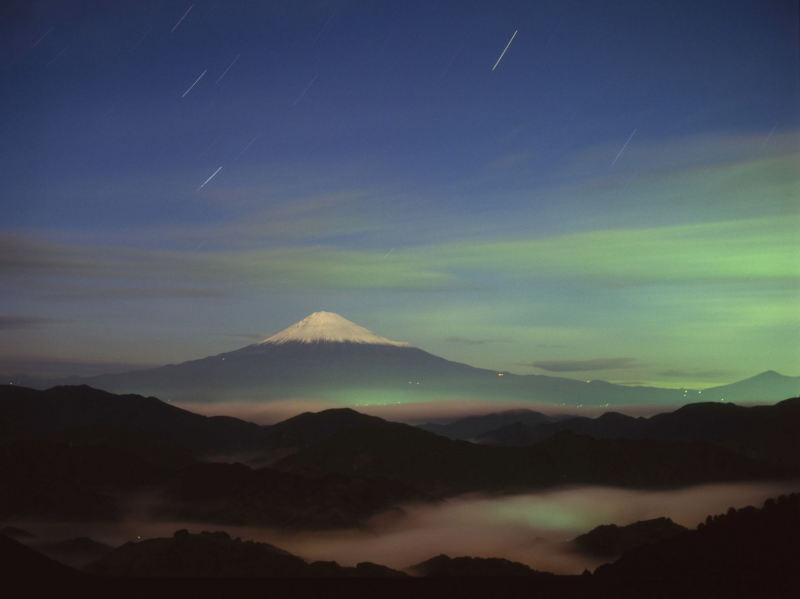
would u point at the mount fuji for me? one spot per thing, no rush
(327, 327)
(325, 356)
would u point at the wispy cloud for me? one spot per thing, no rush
(739, 251)
(584, 365)
(96, 292)
(736, 250)
(46, 268)
(25, 322)
(43, 367)
(685, 191)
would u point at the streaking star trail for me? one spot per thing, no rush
(188, 10)
(247, 147)
(622, 149)
(46, 33)
(377, 169)
(503, 53)
(195, 83)
(225, 72)
(214, 174)
(305, 91)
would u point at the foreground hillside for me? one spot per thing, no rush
(216, 554)
(749, 545)
(76, 453)
(744, 553)
(766, 432)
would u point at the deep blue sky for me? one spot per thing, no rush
(374, 165)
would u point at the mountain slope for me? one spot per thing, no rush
(443, 467)
(237, 494)
(309, 428)
(765, 432)
(75, 453)
(473, 427)
(747, 545)
(610, 540)
(325, 356)
(343, 466)
(769, 384)
(215, 554)
(28, 413)
(446, 566)
(22, 565)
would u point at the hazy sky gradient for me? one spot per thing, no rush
(618, 199)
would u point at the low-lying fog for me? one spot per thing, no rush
(532, 528)
(440, 409)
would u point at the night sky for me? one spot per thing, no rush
(618, 199)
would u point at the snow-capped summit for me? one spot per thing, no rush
(328, 327)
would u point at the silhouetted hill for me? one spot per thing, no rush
(744, 553)
(75, 481)
(13, 532)
(94, 481)
(764, 432)
(67, 462)
(401, 452)
(236, 494)
(768, 384)
(79, 454)
(28, 413)
(18, 562)
(347, 466)
(215, 554)
(749, 545)
(610, 540)
(623, 462)
(74, 552)
(445, 566)
(475, 426)
(440, 466)
(312, 427)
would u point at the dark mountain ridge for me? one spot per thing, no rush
(471, 427)
(610, 540)
(444, 566)
(29, 413)
(443, 467)
(747, 546)
(216, 554)
(764, 432)
(343, 466)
